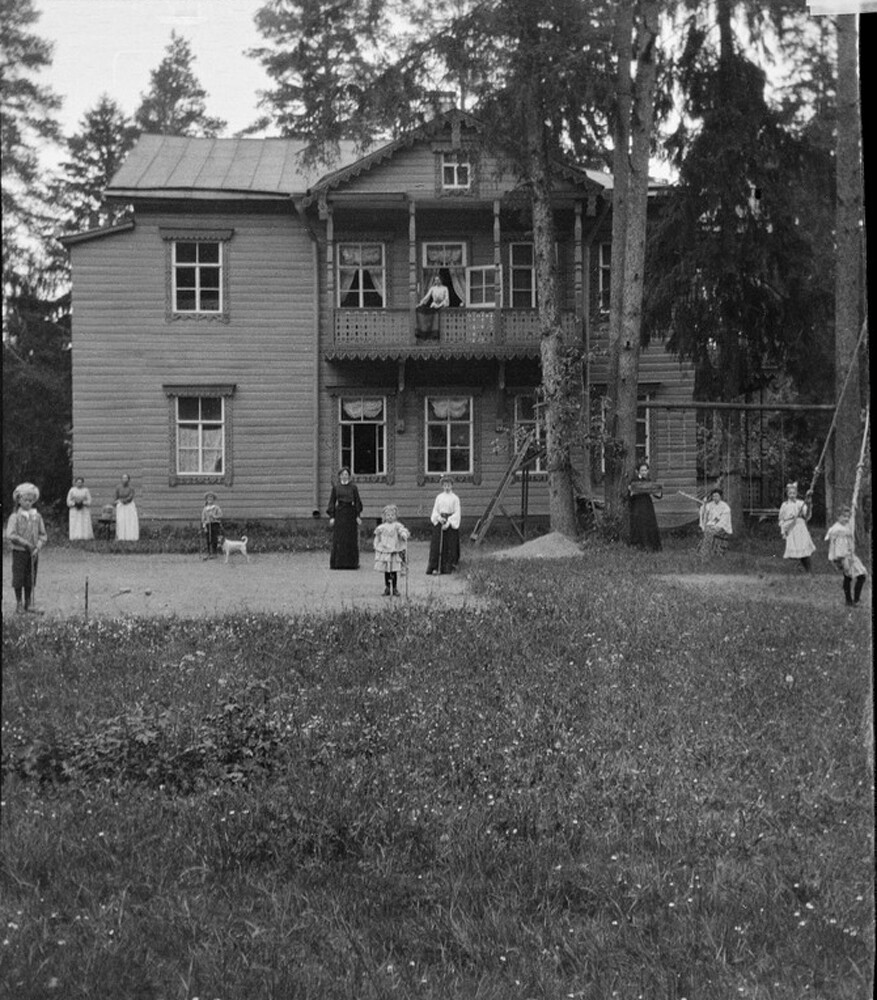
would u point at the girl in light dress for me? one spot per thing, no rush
(127, 522)
(793, 517)
(391, 537)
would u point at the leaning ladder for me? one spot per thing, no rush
(525, 453)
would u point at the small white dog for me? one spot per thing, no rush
(229, 546)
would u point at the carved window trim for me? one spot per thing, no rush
(472, 156)
(390, 421)
(475, 394)
(173, 235)
(225, 391)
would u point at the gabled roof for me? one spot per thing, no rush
(171, 166)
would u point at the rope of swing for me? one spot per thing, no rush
(860, 469)
(853, 361)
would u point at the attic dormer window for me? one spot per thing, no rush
(456, 171)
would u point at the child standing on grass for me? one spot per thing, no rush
(841, 551)
(390, 538)
(27, 534)
(211, 517)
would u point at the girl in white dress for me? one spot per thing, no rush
(793, 517)
(79, 502)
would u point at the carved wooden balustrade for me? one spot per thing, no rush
(392, 328)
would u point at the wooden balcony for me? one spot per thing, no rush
(481, 332)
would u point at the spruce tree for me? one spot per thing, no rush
(175, 102)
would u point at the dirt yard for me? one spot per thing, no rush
(188, 587)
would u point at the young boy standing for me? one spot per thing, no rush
(211, 518)
(27, 534)
(841, 551)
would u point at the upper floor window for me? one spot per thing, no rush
(361, 275)
(449, 434)
(483, 287)
(456, 171)
(604, 277)
(522, 276)
(197, 276)
(363, 427)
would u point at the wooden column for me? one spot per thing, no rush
(412, 263)
(497, 263)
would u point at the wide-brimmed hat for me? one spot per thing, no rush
(716, 489)
(25, 489)
(209, 496)
(447, 479)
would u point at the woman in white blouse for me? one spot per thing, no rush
(444, 546)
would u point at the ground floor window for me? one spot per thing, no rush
(200, 422)
(449, 435)
(643, 432)
(363, 434)
(529, 415)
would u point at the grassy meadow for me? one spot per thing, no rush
(584, 785)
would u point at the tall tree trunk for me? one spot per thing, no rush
(558, 381)
(614, 488)
(626, 351)
(848, 278)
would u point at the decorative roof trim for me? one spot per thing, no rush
(414, 353)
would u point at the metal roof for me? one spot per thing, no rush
(165, 164)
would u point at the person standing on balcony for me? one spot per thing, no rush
(345, 517)
(437, 297)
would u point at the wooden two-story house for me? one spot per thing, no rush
(254, 327)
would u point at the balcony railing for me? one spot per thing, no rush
(393, 328)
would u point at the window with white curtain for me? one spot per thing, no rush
(361, 275)
(363, 434)
(200, 437)
(448, 426)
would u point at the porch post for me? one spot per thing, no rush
(583, 321)
(497, 263)
(326, 213)
(412, 265)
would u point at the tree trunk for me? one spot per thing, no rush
(559, 388)
(626, 350)
(613, 483)
(848, 279)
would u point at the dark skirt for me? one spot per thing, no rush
(644, 532)
(345, 538)
(444, 550)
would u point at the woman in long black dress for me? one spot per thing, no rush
(344, 510)
(644, 532)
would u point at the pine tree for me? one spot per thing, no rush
(175, 101)
(27, 119)
(95, 154)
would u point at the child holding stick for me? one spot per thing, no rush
(211, 518)
(27, 534)
(390, 538)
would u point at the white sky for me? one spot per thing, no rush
(112, 46)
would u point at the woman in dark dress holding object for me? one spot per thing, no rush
(644, 532)
(344, 510)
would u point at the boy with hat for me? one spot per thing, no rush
(211, 518)
(27, 534)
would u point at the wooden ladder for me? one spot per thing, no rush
(526, 452)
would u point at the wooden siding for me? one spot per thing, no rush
(124, 351)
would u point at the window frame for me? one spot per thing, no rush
(518, 268)
(360, 269)
(497, 286)
(643, 417)
(519, 423)
(425, 245)
(173, 237)
(383, 449)
(473, 474)
(225, 393)
(454, 160)
(604, 277)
